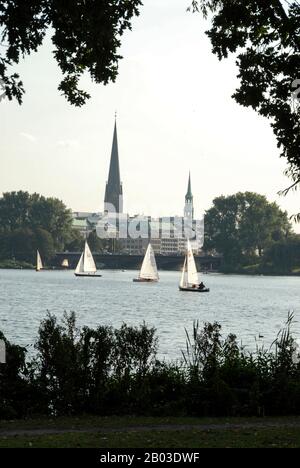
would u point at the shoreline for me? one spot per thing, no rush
(203, 273)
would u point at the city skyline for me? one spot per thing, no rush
(175, 114)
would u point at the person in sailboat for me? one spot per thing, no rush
(190, 278)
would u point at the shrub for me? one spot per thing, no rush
(110, 371)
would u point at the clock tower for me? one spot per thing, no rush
(189, 202)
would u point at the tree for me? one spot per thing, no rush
(22, 245)
(52, 215)
(5, 252)
(265, 37)
(75, 242)
(14, 388)
(294, 174)
(261, 223)
(263, 34)
(242, 226)
(31, 222)
(85, 34)
(95, 243)
(19, 210)
(283, 256)
(14, 209)
(221, 231)
(45, 244)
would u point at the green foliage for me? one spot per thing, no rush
(31, 222)
(75, 242)
(86, 38)
(294, 173)
(265, 37)
(107, 372)
(96, 244)
(52, 215)
(16, 265)
(44, 243)
(135, 349)
(91, 370)
(14, 388)
(22, 244)
(224, 380)
(242, 226)
(283, 256)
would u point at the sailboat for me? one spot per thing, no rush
(65, 263)
(190, 279)
(149, 273)
(39, 263)
(86, 266)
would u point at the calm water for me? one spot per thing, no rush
(247, 306)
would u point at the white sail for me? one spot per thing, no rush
(193, 278)
(80, 268)
(86, 265)
(183, 276)
(149, 268)
(89, 265)
(65, 263)
(39, 263)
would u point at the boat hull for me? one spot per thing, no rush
(196, 290)
(140, 280)
(85, 275)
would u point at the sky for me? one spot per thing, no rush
(175, 115)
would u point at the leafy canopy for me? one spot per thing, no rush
(85, 33)
(264, 35)
(242, 226)
(28, 222)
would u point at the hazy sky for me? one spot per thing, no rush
(175, 114)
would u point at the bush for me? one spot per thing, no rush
(110, 371)
(15, 398)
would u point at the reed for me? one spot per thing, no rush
(108, 371)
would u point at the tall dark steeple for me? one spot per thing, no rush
(114, 188)
(189, 201)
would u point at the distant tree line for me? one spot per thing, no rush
(252, 234)
(108, 371)
(31, 222)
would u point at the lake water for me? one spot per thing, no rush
(246, 306)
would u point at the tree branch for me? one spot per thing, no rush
(286, 20)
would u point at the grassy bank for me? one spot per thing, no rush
(152, 433)
(13, 265)
(251, 270)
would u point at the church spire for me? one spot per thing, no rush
(189, 201)
(114, 189)
(189, 195)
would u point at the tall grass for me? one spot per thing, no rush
(108, 371)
